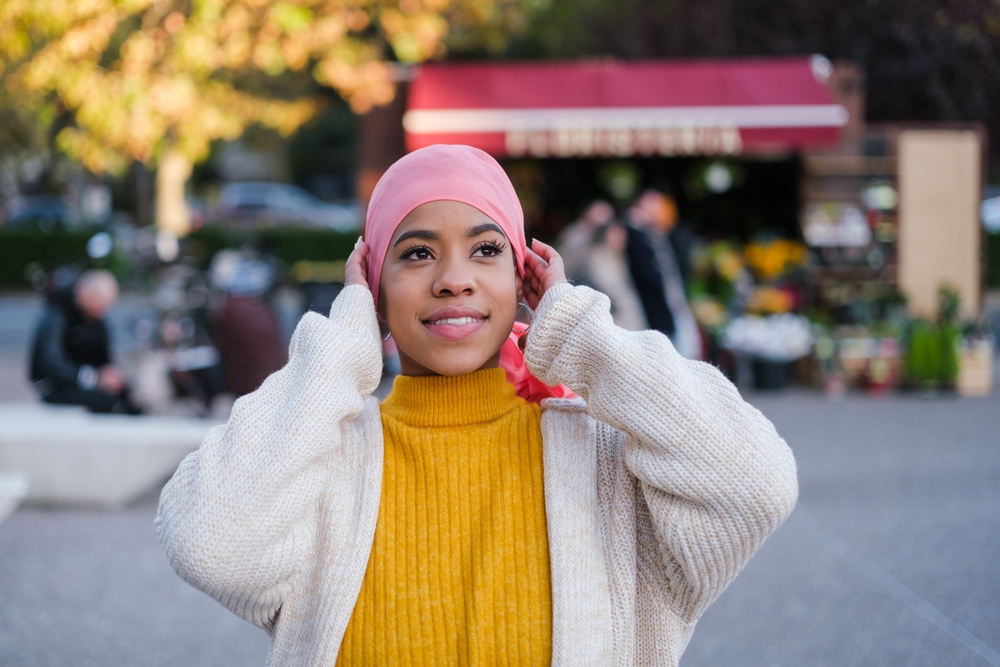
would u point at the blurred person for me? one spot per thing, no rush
(484, 512)
(656, 271)
(594, 248)
(575, 239)
(247, 330)
(71, 362)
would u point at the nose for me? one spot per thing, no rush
(454, 278)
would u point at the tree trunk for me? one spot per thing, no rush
(172, 213)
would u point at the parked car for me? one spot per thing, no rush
(256, 204)
(47, 213)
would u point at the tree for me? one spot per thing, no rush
(159, 80)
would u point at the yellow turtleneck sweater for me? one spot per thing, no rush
(459, 570)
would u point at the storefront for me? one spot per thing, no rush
(769, 160)
(570, 132)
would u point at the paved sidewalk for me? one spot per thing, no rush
(890, 559)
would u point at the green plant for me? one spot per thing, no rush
(949, 302)
(932, 354)
(20, 248)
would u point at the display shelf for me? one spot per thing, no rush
(850, 165)
(835, 187)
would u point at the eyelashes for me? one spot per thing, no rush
(494, 247)
(414, 249)
(419, 252)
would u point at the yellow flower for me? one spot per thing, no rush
(710, 313)
(767, 300)
(775, 258)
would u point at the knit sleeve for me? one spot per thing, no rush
(715, 476)
(237, 519)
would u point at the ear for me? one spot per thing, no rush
(380, 309)
(520, 286)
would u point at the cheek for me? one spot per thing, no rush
(396, 297)
(396, 303)
(504, 292)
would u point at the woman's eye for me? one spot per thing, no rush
(487, 250)
(416, 253)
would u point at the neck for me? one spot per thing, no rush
(409, 366)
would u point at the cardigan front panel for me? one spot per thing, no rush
(310, 633)
(581, 603)
(315, 615)
(593, 553)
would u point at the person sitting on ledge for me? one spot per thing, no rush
(71, 356)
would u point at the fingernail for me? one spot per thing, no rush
(358, 242)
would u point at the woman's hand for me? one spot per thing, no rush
(356, 270)
(543, 268)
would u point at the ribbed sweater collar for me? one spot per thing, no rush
(451, 400)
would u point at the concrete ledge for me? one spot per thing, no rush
(72, 457)
(13, 489)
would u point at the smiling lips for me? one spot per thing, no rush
(455, 323)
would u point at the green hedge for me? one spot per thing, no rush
(21, 247)
(289, 245)
(993, 260)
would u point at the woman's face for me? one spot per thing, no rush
(449, 290)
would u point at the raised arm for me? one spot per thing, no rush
(713, 471)
(237, 518)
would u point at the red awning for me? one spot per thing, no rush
(624, 108)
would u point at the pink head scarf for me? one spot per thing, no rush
(470, 176)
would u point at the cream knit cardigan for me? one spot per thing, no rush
(659, 486)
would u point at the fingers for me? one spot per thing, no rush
(544, 250)
(530, 292)
(356, 269)
(548, 254)
(534, 271)
(546, 264)
(536, 264)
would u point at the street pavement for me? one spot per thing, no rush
(891, 557)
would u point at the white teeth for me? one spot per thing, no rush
(455, 320)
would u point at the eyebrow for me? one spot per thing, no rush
(428, 235)
(424, 234)
(483, 228)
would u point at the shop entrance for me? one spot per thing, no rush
(720, 198)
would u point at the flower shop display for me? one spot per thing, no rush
(758, 309)
(771, 342)
(781, 338)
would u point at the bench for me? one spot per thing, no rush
(13, 489)
(73, 457)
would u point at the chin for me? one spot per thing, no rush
(456, 366)
(453, 359)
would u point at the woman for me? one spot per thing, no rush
(482, 514)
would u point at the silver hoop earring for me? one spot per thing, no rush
(387, 337)
(531, 313)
